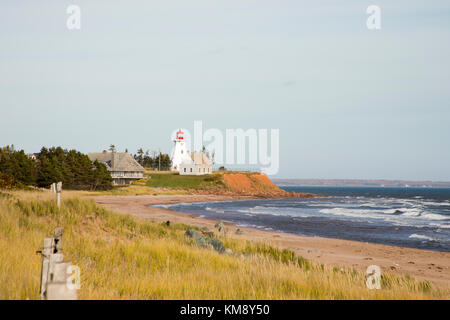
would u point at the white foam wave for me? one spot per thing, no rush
(434, 216)
(214, 209)
(164, 206)
(413, 213)
(273, 211)
(356, 213)
(420, 236)
(436, 204)
(410, 212)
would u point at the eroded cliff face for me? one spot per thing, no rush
(252, 184)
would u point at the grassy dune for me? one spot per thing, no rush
(124, 258)
(135, 190)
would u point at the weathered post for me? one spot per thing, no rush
(58, 194)
(46, 252)
(53, 187)
(57, 236)
(55, 283)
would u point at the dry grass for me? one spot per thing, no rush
(135, 190)
(124, 258)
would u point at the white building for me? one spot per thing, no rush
(180, 153)
(198, 164)
(185, 162)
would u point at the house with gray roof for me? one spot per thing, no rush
(123, 167)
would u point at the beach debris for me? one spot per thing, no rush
(205, 242)
(168, 223)
(206, 232)
(221, 227)
(239, 232)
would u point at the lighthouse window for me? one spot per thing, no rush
(184, 169)
(191, 169)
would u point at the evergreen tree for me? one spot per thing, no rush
(148, 161)
(140, 156)
(18, 165)
(102, 178)
(74, 169)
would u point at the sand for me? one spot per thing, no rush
(422, 264)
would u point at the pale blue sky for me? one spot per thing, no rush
(349, 102)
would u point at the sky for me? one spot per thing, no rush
(349, 102)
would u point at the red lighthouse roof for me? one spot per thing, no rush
(179, 135)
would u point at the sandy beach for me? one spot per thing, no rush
(422, 264)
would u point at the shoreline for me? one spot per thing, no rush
(433, 266)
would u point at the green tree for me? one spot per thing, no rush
(101, 178)
(148, 161)
(18, 165)
(140, 156)
(165, 161)
(74, 169)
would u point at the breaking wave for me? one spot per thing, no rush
(421, 237)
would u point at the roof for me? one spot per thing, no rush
(200, 158)
(122, 161)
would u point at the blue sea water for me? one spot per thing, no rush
(408, 217)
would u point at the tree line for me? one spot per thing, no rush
(73, 168)
(157, 160)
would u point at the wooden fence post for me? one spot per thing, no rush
(58, 194)
(46, 252)
(54, 272)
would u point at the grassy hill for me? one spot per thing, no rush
(124, 258)
(175, 180)
(240, 183)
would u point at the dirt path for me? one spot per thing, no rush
(422, 264)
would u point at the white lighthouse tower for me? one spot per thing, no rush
(180, 153)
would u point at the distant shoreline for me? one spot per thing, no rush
(359, 183)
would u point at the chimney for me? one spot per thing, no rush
(113, 158)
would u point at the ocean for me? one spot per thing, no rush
(407, 217)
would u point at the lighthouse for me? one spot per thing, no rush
(180, 154)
